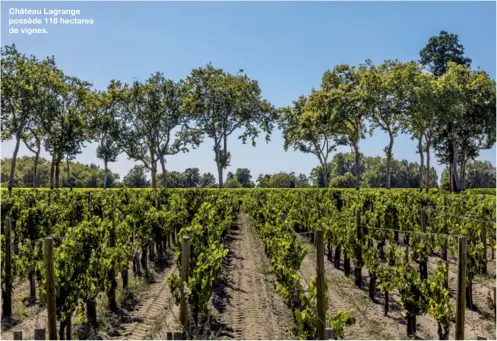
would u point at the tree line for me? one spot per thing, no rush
(439, 101)
(404, 174)
(443, 104)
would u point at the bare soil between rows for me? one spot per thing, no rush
(245, 297)
(370, 320)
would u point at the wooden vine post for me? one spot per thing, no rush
(358, 251)
(320, 286)
(50, 282)
(7, 298)
(183, 307)
(461, 288)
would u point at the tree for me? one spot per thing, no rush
(232, 183)
(316, 177)
(32, 140)
(151, 111)
(340, 164)
(222, 103)
(263, 181)
(392, 86)
(82, 176)
(282, 180)
(67, 120)
(404, 174)
(108, 126)
(192, 177)
(440, 51)
(230, 176)
(207, 180)
(24, 80)
(344, 102)
(136, 178)
(466, 102)
(243, 176)
(436, 56)
(421, 120)
(305, 133)
(347, 180)
(302, 181)
(175, 179)
(478, 174)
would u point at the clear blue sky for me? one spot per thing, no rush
(285, 46)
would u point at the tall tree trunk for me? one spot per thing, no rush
(463, 170)
(37, 156)
(427, 165)
(217, 151)
(52, 172)
(163, 166)
(220, 175)
(325, 175)
(451, 178)
(457, 183)
(389, 159)
(13, 165)
(224, 161)
(357, 162)
(105, 173)
(35, 170)
(154, 175)
(421, 163)
(153, 169)
(57, 173)
(69, 174)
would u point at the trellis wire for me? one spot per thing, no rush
(468, 217)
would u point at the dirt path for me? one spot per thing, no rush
(157, 303)
(31, 316)
(37, 320)
(245, 297)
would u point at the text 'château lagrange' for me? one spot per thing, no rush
(45, 11)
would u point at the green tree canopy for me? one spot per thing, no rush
(81, 176)
(232, 183)
(478, 174)
(136, 178)
(304, 132)
(222, 103)
(243, 176)
(404, 174)
(344, 103)
(207, 180)
(440, 51)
